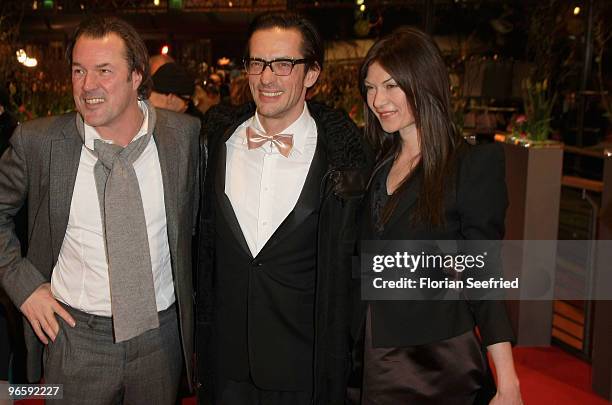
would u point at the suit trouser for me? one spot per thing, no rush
(95, 370)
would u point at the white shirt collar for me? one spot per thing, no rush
(299, 129)
(91, 134)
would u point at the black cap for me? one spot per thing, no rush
(171, 78)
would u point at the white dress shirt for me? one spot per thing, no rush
(263, 185)
(80, 276)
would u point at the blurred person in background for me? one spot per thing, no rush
(8, 122)
(206, 95)
(219, 79)
(8, 329)
(158, 60)
(240, 93)
(172, 89)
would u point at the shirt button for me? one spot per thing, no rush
(264, 223)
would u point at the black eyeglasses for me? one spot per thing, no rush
(280, 67)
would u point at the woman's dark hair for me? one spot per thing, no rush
(414, 61)
(136, 53)
(312, 44)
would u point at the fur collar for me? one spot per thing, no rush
(342, 140)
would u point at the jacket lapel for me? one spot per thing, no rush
(63, 167)
(223, 201)
(308, 201)
(170, 170)
(407, 199)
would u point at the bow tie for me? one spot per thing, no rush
(283, 142)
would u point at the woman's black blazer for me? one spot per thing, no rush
(475, 208)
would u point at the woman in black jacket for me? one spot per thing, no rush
(429, 184)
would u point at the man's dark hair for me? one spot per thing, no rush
(136, 53)
(312, 45)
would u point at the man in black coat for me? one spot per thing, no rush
(281, 192)
(8, 123)
(8, 331)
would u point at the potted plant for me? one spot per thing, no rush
(533, 128)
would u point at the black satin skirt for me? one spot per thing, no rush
(454, 371)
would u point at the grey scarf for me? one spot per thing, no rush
(130, 273)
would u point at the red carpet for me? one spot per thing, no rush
(548, 376)
(551, 376)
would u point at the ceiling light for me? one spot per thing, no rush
(30, 62)
(21, 56)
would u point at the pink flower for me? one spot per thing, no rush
(520, 119)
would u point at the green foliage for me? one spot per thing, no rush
(535, 125)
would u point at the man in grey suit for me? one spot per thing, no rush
(106, 284)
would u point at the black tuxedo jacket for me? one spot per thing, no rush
(264, 318)
(300, 278)
(475, 209)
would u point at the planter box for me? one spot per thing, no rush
(533, 177)
(601, 358)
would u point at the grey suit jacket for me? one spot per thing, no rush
(41, 166)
